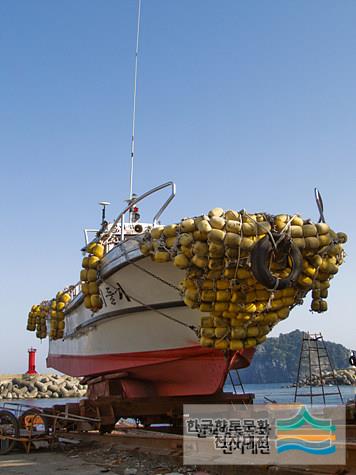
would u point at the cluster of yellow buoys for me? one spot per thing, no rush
(215, 251)
(52, 310)
(58, 306)
(89, 276)
(37, 319)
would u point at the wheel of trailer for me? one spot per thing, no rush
(35, 420)
(9, 427)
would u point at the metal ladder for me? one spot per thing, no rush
(238, 383)
(315, 353)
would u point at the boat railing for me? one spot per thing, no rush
(74, 290)
(118, 226)
(115, 227)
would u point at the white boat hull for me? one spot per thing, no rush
(144, 330)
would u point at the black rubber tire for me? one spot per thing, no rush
(8, 419)
(260, 257)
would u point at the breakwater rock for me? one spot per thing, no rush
(346, 377)
(41, 386)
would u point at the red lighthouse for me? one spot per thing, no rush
(32, 361)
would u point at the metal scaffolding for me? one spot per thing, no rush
(313, 359)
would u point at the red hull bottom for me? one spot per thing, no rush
(183, 372)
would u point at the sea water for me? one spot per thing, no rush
(281, 393)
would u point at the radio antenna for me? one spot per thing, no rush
(134, 98)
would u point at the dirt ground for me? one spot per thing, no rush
(91, 458)
(131, 451)
(45, 463)
(95, 461)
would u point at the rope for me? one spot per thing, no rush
(267, 230)
(269, 303)
(286, 227)
(156, 277)
(239, 249)
(227, 333)
(191, 327)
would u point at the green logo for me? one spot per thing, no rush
(306, 433)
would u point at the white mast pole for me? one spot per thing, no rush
(134, 98)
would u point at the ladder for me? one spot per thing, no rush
(313, 359)
(235, 384)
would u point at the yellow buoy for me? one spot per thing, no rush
(221, 332)
(162, 256)
(310, 230)
(216, 249)
(200, 262)
(236, 345)
(85, 288)
(207, 322)
(232, 215)
(216, 235)
(93, 288)
(185, 239)
(87, 301)
(238, 333)
(156, 232)
(85, 262)
(90, 247)
(96, 301)
(250, 343)
(221, 344)
(93, 262)
(217, 223)
(208, 342)
(65, 298)
(207, 332)
(91, 275)
(204, 226)
(232, 240)
(297, 221)
(145, 248)
(99, 250)
(181, 261)
(200, 248)
(171, 242)
(216, 212)
(205, 307)
(187, 226)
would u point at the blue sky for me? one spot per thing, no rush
(244, 104)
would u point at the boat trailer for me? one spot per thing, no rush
(32, 426)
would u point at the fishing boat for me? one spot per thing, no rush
(136, 324)
(144, 333)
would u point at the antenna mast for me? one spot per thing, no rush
(134, 98)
